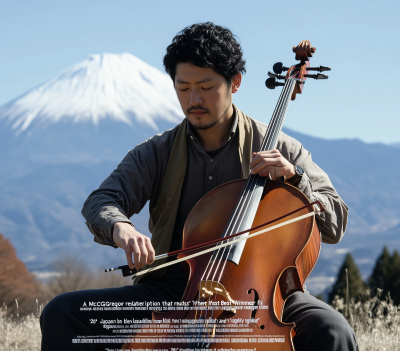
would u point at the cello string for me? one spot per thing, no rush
(278, 130)
(278, 123)
(255, 178)
(275, 135)
(232, 223)
(242, 204)
(246, 196)
(277, 119)
(243, 200)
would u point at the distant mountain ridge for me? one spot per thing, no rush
(62, 139)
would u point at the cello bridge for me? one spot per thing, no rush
(208, 288)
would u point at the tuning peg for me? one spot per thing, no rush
(278, 68)
(277, 76)
(271, 83)
(316, 76)
(319, 69)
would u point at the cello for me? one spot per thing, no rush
(237, 289)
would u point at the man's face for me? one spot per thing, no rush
(204, 95)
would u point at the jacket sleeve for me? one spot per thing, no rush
(121, 195)
(316, 185)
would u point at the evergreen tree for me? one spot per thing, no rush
(380, 275)
(356, 284)
(386, 275)
(393, 278)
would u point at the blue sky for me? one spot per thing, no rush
(358, 39)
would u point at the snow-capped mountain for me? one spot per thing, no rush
(93, 111)
(122, 88)
(60, 140)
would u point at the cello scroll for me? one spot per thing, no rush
(304, 50)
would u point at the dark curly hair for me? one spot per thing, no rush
(206, 45)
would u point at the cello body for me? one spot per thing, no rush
(271, 268)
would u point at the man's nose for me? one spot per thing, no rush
(195, 98)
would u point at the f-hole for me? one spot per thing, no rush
(254, 311)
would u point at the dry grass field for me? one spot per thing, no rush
(376, 323)
(19, 329)
(20, 333)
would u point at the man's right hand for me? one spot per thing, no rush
(132, 242)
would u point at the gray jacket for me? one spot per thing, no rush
(138, 178)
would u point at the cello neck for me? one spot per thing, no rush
(275, 125)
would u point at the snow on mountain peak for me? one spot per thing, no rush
(119, 87)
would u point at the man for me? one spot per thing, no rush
(174, 170)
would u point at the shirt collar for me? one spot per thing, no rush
(192, 135)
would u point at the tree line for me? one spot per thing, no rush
(385, 276)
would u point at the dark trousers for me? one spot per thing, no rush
(319, 327)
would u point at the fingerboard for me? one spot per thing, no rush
(245, 210)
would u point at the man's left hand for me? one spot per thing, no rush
(273, 163)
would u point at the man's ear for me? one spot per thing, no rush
(235, 82)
